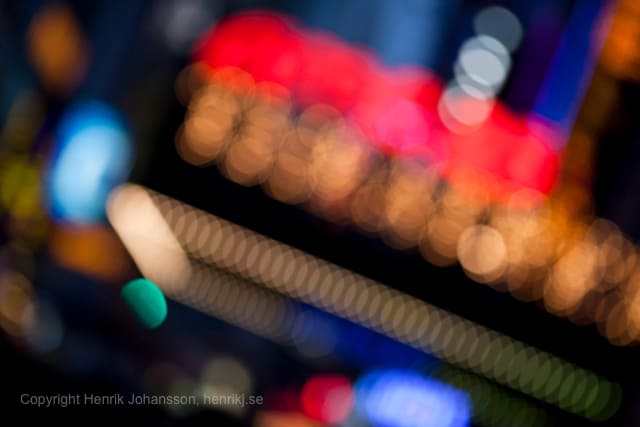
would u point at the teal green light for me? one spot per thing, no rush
(146, 301)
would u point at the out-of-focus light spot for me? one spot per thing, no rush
(482, 252)
(226, 376)
(43, 326)
(57, 48)
(607, 405)
(20, 188)
(401, 125)
(264, 44)
(485, 61)
(480, 71)
(182, 21)
(440, 238)
(617, 326)
(82, 248)
(228, 373)
(146, 301)
(93, 155)
(202, 138)
(15, 299)
(146, 235)
(327, 398)
(462, 111)
(501, 24)
(324, 83)
(406, 399)
(572, 277)
(408, 200)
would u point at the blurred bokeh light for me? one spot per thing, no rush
(374, 213)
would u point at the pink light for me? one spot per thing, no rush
(397, 110)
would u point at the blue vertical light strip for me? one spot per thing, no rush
(571, 69)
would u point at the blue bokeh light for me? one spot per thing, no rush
(93, 155)
(399, 398)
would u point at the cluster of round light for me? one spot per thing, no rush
(491, 406)
(294, 273)
(213, 290)
(255, 140)
(481, 69)
(393, 111)
(527, 245)
(240, 302)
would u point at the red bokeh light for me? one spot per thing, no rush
(327, 398)
(264, 45)
(397, 110)
(506, 152)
